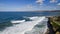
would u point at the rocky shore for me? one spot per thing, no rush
(53, 25)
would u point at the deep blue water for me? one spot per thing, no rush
(6, 16)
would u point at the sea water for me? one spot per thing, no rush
(24, 22)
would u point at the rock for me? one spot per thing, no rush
(53, 25)
(57, 32)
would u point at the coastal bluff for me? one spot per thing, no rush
(53, 25)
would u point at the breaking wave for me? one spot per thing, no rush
(30, 25)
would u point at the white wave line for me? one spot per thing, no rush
(22, 28)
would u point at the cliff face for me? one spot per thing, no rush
(53, 25)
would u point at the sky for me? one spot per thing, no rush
(29, 5)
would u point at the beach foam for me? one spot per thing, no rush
(24, 27)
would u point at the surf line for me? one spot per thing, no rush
(33, 24)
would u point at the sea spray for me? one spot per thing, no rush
(22, 28)
(39, 28)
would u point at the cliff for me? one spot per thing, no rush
(53, 25)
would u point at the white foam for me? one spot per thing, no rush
(17, 21)
(39, 30)
(32, 18)
(22, 28)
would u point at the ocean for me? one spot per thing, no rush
(24, 22)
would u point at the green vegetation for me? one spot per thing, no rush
(55, 21)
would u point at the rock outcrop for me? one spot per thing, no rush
(53, 25)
